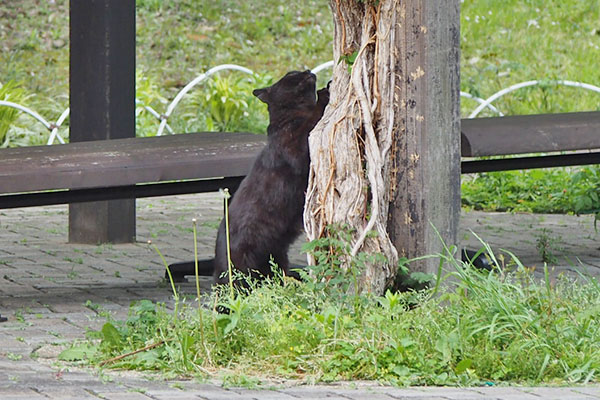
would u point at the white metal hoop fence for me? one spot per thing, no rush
(163, 118)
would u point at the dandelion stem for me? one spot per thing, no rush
(198, 282)
(229, 263)
(175, 294)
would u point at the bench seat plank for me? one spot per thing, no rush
(87, 167)
(123, 162)
(523, 134)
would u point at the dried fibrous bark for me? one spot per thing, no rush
(385, 158)
(351, 177)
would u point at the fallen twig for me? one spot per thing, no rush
(122, 356)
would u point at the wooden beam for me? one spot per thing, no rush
(520, 134)
(120, 192)
(102, 100)
(427, 154)
(121, 162)
(546, 161)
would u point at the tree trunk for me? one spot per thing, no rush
(384, 144)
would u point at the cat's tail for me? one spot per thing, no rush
(180, 270)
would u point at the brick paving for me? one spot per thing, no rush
(51, 292)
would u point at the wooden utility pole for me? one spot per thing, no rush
(427, 152)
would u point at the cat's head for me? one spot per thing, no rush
(296, 88)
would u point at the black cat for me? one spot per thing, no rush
(265, 215)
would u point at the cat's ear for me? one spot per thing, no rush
(262, 94)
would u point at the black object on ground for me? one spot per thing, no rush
(479, 261)
(180, 270)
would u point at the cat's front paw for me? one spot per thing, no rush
(323, 96)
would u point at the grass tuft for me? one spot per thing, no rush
(493, 327)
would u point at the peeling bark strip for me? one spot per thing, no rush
(384, 141)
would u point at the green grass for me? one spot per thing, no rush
(488, 328)
(485, 328)
(552, 190)
(507, 42)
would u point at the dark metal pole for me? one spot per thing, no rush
(102, 100)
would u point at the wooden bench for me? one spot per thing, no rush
(526, 134)
(128, 168)
(203, 162)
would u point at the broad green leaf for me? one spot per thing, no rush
(78, 353)
(111, 335)
(463, 365)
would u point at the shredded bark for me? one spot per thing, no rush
(351, 168)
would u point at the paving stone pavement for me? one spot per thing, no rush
(51, 290)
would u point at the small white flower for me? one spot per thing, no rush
(224, 193)
(534, 23)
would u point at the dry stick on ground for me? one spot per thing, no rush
(149, 347)
(122, 356)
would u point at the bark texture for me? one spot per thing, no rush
(350, 168)
(360, 157)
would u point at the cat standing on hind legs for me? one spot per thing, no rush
(265, 215)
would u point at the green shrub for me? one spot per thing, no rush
(147, 93)
(586, 191)
(10, 91)
(550, 190)
(226, 104)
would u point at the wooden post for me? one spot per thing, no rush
(102, 101)
(427, 153)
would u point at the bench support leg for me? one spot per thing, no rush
(102, 99)
(111, 221)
